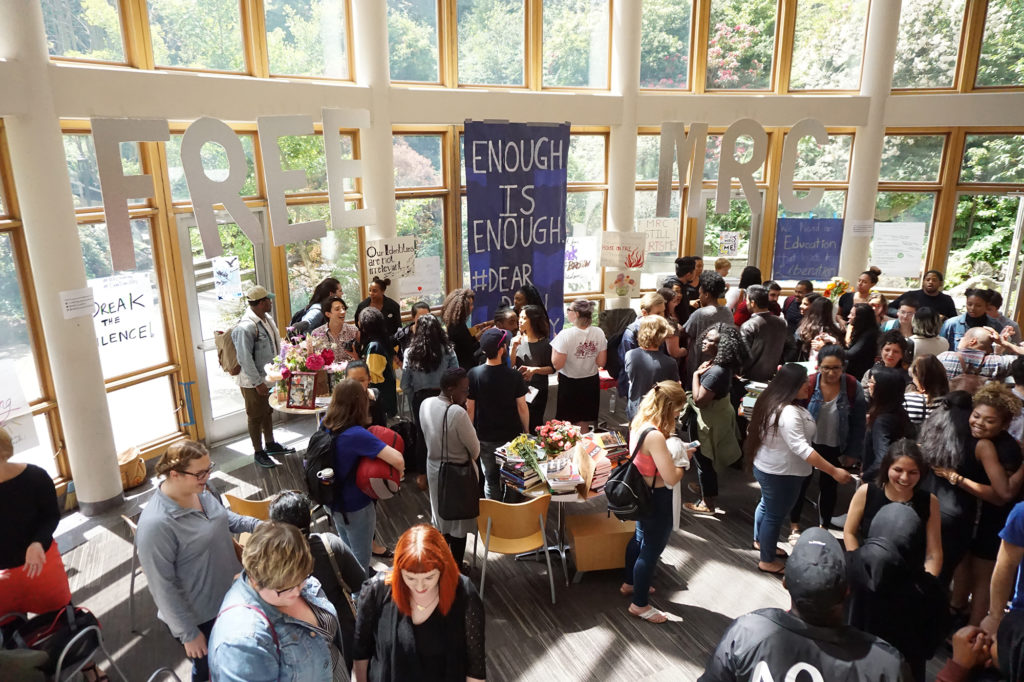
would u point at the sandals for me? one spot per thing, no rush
(651, 615)
(779, 552)
(699, 507)
(778, 571)
(94, 674)
(388, 553)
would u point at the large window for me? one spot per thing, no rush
(84, 29)
(1002, 52)
(197, 34)
(412, 40)
(492, 41)
(307, 38)
(928, 43)
(215, 164)
(911, 158)
(741, 44)
(576, 34)
(825, 58)
(993, 158)
(665, 44)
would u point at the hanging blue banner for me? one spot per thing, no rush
(807, 248)
(515, 212)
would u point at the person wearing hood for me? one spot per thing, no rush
(891, 595)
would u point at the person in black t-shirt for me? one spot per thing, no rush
(496, 405)
(810, 638)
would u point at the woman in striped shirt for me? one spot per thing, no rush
(930, 384)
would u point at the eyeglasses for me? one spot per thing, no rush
(834, 368)
(200, 475)
(293, 587)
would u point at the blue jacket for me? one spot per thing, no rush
(954, 328)
(852, 418)
(242, 648)
(256, 344)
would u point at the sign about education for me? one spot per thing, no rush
(391, 258)
(15, 416)
(662, 242)
(623, 249)
(898, 248)
(807, 248)
(515, 203)
(124, 313)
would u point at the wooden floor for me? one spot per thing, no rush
(707, 577)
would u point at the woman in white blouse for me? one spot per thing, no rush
(577, 354)
(779, 446)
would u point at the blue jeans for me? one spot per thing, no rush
(492, 471)
(778, 494)
(642, 552)
(358, 532)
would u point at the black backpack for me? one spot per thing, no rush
(51, 632)
(407, 430)
(297, 317)
(319, 456)
(629, 497)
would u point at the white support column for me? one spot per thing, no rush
(51, 233)
(622, 138)
(876, 84)
(370, 35)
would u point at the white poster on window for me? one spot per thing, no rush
(424, 281)
(662, 242)
(580, 264)
(391, 258)
(124, 313)
(897, 248)
(227, 277)
(14, 411)
(728, 244)
(623, 249)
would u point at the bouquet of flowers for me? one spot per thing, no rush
(301, 356)
(836, 287)
(558, 436)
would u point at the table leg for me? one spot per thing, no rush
(559, 546)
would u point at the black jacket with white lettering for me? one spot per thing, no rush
(771, 645)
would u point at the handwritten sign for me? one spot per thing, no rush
(227, 277)
(623, 249)
(621, 284)
(424, 281)
(123, 316)
(580, 264)
(14, 411)
(391, 258)
(807, 248)
(729, 244)
(898, 248)
(662, 241)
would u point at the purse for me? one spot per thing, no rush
(457, 488)
(629, 497)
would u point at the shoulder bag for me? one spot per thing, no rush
(337, 571)
(629, 497)
(457, 488)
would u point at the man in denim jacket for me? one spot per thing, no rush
(256, 343)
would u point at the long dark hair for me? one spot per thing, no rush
(863, 321)
(945, 431)
(428, 346)
(456, 307)
(539, 322)
(532, 296)
(904, 447)
(372, 327)
(931, 375)
(781, 391)
(887, 395)
(324, 291)
(750, 275)
(818, 320)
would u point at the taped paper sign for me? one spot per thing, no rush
(580, 264)
(623, 249)
(125, 317)
(14, 410)
(729, 244)
(391, 258)
(424, 281)
(227, 277)
(76, 303)
(621, 284)
(662, 241)
(898, 248)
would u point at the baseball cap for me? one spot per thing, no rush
(491, 340)
(816, 570)
(258, 293)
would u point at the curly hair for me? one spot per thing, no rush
(732, 351)
(456, 307)
(1000, 398)
(372, 327)
(713, 284)
(428, 346)
(818, 320)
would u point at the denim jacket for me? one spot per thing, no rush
(256, 344)
(242, 647)
(852, 418)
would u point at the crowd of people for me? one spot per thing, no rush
(909, 399)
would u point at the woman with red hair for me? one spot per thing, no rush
(422, 620)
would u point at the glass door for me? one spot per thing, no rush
(214, 291)
(735, 235)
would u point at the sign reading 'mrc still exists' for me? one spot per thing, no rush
(516, 176)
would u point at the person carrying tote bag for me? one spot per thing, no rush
(452, 451)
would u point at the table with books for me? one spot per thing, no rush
(574, 475)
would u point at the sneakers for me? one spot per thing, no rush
(263, 459)
(276, 448)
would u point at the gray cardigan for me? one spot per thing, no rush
(189, 559)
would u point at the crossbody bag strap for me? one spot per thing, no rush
(273, 632)
(444, 435)
(337, 571)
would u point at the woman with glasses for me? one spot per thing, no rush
(276, 622)
(186, 549)
(337, 334)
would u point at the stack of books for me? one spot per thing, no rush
(519, 475)
(602, 469)
(754, 389)
(563, 477)
(615, 446)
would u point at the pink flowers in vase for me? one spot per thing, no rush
(558, 436)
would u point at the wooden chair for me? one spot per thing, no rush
(513, 529)
(258, 509)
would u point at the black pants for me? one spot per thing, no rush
(200, 666)
(706, 475)
(457, 545)
(827, 488)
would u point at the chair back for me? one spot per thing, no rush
(512, 521)
(258, 509)
(132, 525)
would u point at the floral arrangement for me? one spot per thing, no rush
(836, 287)
(301, 356)
(558, 436)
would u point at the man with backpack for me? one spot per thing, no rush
(256, 343)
